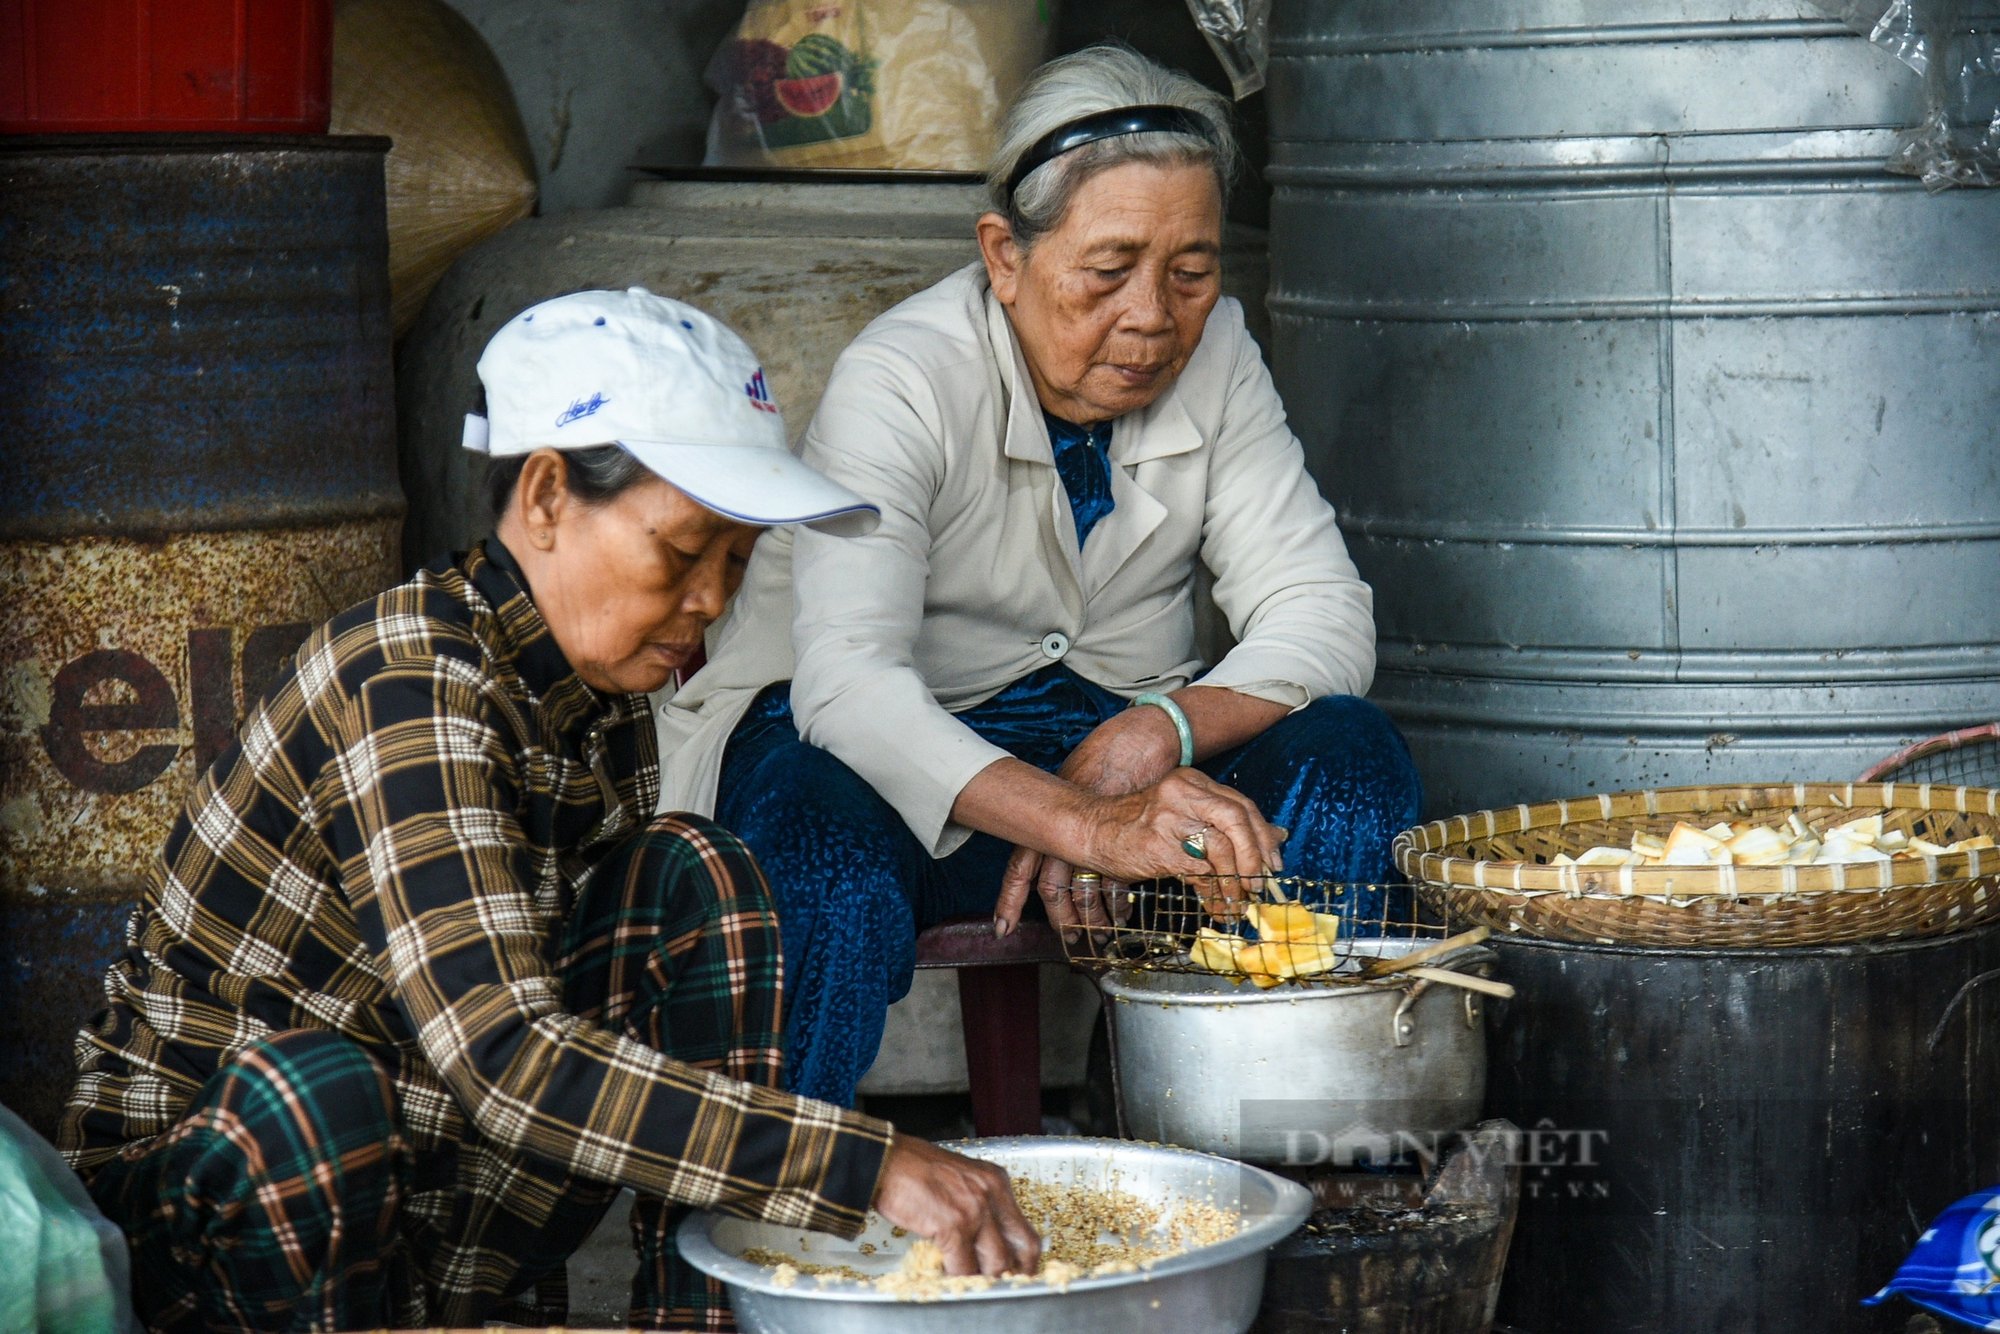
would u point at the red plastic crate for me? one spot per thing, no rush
(120, 66)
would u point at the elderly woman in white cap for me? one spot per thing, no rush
(1000, 683)
(420, 981)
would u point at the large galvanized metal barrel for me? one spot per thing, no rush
(196, 399)
(1738, 1140)
(798, 266)
(1660, 416)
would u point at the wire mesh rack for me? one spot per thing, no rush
(1968, 757)
(1265, 931)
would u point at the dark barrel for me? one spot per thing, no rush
(197, 405)
(1738, 1141)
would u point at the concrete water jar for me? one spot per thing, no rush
(796, 264)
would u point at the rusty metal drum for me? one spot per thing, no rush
(1658, 413)
(798, 264)
(197, 406)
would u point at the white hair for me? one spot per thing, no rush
(1099, 78)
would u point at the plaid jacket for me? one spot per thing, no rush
(389, 851)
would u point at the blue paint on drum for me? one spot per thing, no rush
(58, 945)
(196, 334)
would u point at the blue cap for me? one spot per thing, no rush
(1955, 1269)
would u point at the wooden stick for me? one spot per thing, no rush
(1485, 985)
(1382, 967)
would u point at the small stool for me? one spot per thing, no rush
(1000, 1012)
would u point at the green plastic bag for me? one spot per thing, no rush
(65, 1269)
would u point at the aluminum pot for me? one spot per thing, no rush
(1300, 1074)
(1213, 1289)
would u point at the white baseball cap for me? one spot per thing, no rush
(675, 387)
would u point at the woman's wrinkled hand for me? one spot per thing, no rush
(1127, 752)
(964, 1205)
(1143, 835)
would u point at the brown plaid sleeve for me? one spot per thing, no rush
(427, 765)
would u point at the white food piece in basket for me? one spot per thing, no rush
(1840, 849)
(1688, 846)
(1650, 847)
(1865, 830)
(1794, 842)
(1758, 846)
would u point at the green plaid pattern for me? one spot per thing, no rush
(394, 852)
(267, 1207)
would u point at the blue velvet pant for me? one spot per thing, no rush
(854, 886)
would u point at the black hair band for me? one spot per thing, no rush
(1108, 125)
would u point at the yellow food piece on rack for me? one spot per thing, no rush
(1606, 856)
(1327, 925)
(1269, 962)
(1215, 950)
(1282, 921)
(1973, 844)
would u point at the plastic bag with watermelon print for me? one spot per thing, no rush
(1954, 1271)
(871, 84)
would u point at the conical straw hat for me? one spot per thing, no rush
(460, 169)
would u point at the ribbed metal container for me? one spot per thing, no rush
(197, 406)
(1661, 418)
(796, 265)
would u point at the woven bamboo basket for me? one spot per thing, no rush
(1491, 868)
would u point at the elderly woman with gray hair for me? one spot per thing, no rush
(1000, 685)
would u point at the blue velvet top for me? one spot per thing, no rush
(1083, 461)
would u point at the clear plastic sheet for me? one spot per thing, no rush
(1239, 32)
(1955, 46)
(66, 1270)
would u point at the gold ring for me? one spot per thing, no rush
(1194, 847)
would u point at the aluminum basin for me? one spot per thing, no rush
(1298, 1074)
(1210, 1290)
